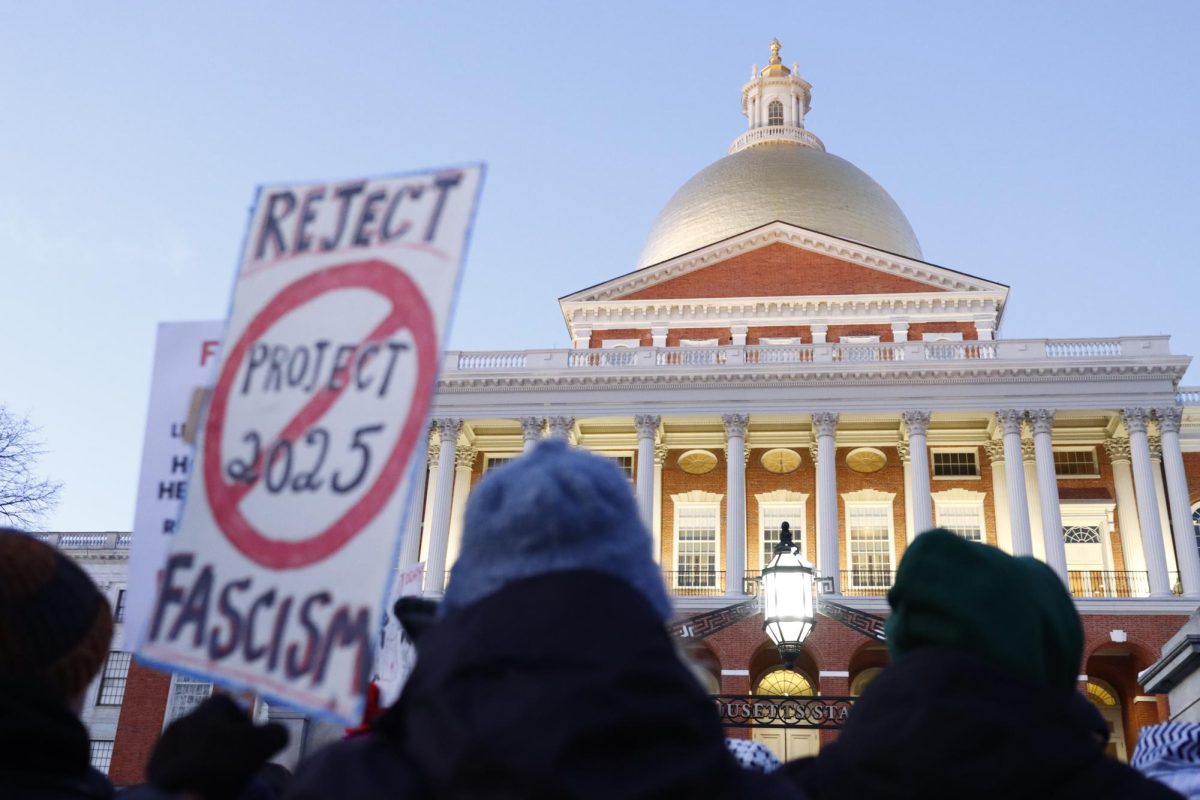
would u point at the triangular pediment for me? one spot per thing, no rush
(783, 260)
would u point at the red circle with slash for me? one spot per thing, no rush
(408, 311)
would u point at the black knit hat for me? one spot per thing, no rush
(55, 625)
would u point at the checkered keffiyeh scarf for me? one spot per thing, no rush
(1170, 753)
(752, 755)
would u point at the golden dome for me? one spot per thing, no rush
(799, 185)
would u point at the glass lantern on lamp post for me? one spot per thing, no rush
(789, 607)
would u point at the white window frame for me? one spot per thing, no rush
(490, 459)
(714, 342)
(176, 705)
(961, 497)
(1084, 513)
(1078, 449)
(1196, 524)
(615, 454)
(710, 501)
(108, 751)
(942, 336)
(872, 339)
(614, 344)
(777, 499)
(780, 340)
(124, 659)
(867, 498)
(978, 466)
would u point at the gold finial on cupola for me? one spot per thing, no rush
(775, 65)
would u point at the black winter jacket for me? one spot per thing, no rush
(44, 748)
(942, 724)
(559, 686)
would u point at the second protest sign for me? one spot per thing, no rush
(287, 542)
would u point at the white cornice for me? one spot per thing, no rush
(775, 232)
(782, 310)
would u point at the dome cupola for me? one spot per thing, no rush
(778, 171)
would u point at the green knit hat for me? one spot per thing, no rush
(1014, 613)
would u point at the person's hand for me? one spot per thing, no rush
(214, 751)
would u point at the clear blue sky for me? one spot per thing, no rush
(1050, 146)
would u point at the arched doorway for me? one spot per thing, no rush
(1105, 698)
(787, 743)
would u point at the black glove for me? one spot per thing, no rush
(213, 751)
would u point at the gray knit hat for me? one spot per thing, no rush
(553, 509)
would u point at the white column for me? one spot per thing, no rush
(581, 338)
(439, 524)
(658, 335)
(910, 530)
(1164, 515)
(560, 427)
(1135, 420)
(1004, 539)
(660, 458)
(1042, 420)
(899, 331)
(1177, 495)
(430, 490)
(917, 424)
(735, 502)
(464, 464)
(1029, 464)
(647, 430)
(1009, 421)
(828, 556)
(531, 432)
(410, 548)
(1127, 519)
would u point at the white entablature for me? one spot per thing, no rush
(952, 295)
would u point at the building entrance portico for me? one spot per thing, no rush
(714, 489)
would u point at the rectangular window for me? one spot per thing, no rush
(869, 528)
(102, 754)
(773, 517)
(112, 679)
(955, 463)
(119, 612)
(1076, 463)
(491, 462)
(965, 519)
(696, 545)
(624, 463)
(186, 694)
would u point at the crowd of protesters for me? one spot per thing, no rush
(547, 672)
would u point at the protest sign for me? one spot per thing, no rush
(185, 361)
(397, 654)
(303, 470)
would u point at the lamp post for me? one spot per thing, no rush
(789, 600)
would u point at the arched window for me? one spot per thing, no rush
(775, 113)
(863, 679)
(785, 682)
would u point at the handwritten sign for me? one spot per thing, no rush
(276, 578)
(185, 361)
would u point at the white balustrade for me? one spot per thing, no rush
(868, 352)
(803, 354)
(776, 133)
(959, 351)
(1082, 348)
(511, 360)
(690, 356)
(622, 357)
(1188, 396)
